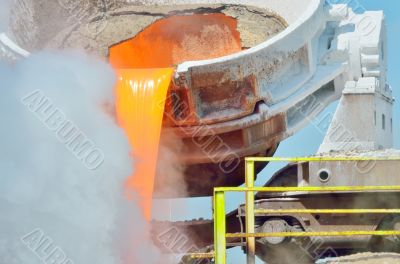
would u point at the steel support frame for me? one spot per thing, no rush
(220, 234)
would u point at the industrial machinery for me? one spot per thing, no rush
(242, 104)
(225, 109)
(345, 57)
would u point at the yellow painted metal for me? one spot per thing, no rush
(309, 189)
(219, 227)
(220, 234)
(250, 218)
(319, 159)
(314, 234)
(327, 211)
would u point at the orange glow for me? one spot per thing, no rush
(140, 96)
(143, 66)
(176, 39)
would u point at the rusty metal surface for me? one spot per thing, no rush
(243, 141)
(212, 156)
(233, 89)
(200, 179)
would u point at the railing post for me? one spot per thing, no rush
(251, 242)
(219, 227)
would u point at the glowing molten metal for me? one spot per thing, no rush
(144, 69)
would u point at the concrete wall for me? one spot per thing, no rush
(362, 120)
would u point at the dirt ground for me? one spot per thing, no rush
(367, 258)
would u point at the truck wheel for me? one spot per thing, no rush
(387, 243)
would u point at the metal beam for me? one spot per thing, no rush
(219, 228)
(309, 189)
(220, 234)
(318, 159)
(314, 234)
(250, 218)
(327, 211)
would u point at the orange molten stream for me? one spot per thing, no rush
(140, 96)
(144, 66)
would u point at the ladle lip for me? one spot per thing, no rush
(310, 12)
(14, 47)
(312, 8)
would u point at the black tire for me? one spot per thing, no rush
(387, 243)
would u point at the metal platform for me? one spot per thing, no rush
(221, 236)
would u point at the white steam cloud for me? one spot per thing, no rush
(4, 14)
(47, 190)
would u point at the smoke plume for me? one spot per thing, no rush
(52, 188)
(4, 14)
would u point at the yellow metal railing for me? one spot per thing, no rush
(220, 234)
